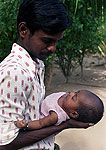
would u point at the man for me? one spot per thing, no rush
(41, 24)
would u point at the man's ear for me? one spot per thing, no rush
(74, 114)
(22, 29)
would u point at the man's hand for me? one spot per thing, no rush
(75, 124)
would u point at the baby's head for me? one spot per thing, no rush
(84, 106)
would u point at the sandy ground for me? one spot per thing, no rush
(94, 79)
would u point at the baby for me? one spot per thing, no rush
(82, 106)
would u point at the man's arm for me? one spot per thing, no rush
(26, 138)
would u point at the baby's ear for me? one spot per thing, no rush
(74, 114)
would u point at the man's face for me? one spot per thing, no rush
(40, 45)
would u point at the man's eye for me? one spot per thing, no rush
(46, 41)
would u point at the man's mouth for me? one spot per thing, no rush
(46, 54)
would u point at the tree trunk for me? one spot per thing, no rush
(49, 73)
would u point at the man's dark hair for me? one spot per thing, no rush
(48, 15)
(91, 113)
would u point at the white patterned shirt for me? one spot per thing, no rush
(21, 92)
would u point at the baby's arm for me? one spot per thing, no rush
(49, 120)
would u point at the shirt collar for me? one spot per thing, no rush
(26, 58)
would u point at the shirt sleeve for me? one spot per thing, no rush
(15, 88)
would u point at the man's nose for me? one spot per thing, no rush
(52, 48)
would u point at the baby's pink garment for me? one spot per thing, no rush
(51, 103)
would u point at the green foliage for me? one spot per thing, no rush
(102, 48)
(67, 59)
(3, 54)
(47, 61)
(81, 39)
(8, 14)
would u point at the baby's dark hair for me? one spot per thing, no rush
(91, 113)
(48, 15)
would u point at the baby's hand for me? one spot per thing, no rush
(20, 124)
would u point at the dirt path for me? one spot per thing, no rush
(94, 80)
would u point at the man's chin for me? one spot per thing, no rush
(44, 55)
(43, 58)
